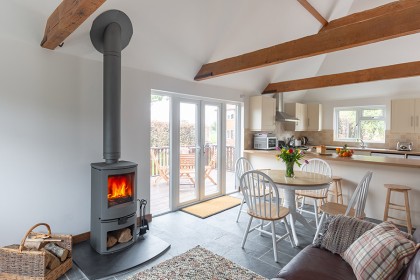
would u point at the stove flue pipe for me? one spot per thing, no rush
(112, 93)
(110, 34)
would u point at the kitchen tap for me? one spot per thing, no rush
(291, 141)
(362, 143)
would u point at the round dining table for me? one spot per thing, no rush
(301, 181)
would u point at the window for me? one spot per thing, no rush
(354, 123)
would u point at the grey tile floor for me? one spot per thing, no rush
(221, 235)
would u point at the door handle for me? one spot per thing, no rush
(411, 120)
(198, 148)
(417, 121)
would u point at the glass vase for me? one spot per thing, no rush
(289, 169)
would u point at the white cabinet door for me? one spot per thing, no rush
(417, 115)
(302, 115)
(314, 117)
(297, 110)
(402, 115)
(268, 114)
(262, 113)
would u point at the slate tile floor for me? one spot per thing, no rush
(220, 234)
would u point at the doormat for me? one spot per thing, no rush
(198, 264)
(211, 207)
(95, 265)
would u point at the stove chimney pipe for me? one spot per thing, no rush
(110, 34)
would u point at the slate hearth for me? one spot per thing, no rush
(96, 266)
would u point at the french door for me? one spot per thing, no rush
(196, 151)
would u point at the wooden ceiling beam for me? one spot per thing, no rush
(65, 19)
(313, 12)
(372, 13)
(388, 26)
(404, 70)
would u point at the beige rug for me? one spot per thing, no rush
(197, 264)
(213, 206)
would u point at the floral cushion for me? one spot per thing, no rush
(380, 253)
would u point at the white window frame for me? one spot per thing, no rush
(359, 118)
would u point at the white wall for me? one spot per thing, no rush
(51, 130)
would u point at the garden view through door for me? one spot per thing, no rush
(211, 153)
(187, 152)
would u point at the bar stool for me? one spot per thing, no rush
(405, 208)
(335, 189)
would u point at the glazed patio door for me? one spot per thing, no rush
(196, 153)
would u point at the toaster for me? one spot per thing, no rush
(404, 146)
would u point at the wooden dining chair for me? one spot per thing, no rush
(264, 203)
(163, 171)
(356, 205)
(319, 166)
(242, 165)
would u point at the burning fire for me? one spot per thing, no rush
(119, 186)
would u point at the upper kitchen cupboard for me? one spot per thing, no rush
(405, 115)
(314, 113)
(262, 113)
(309, 115)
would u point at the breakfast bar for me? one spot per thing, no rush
(385, 171)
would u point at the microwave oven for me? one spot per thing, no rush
(265, 142)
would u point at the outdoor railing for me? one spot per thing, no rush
(161, 155)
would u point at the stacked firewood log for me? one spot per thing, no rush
(118, 236)
(55, 255)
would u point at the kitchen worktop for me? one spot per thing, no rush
(378, 150)
(401, 162)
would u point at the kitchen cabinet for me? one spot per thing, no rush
(299, 111)
(405, 114)
(314, 112)
(262, 113)
(309, 115)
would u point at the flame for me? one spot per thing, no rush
(119, 186)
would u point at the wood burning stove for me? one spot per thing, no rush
(113, 205)
(114, 192)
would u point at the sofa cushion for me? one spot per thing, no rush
(340, 232)
(416, 236)
(315, 263)
(380, 253)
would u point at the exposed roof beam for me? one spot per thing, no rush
(372, 13)
(313, 12)
(388, 26)
(404, 70)
(66, 18)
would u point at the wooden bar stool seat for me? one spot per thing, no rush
(404, 208)
(335, 189)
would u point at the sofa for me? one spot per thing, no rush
(317, 263)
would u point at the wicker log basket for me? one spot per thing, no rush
(20, 263)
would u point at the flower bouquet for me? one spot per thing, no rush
(290, 156)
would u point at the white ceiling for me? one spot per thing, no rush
(174, 38)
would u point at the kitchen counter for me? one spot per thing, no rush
(378, 150)
(401, 162)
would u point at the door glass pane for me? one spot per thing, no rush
(211, 130)
(231, 130)
(188, 187)
(159, 154)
